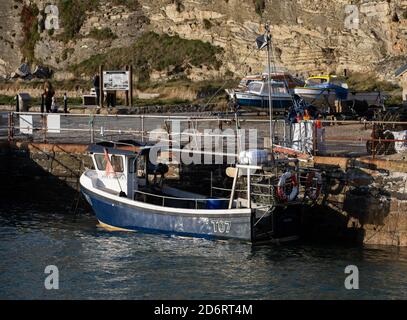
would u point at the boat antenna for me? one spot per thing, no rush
(268, 39)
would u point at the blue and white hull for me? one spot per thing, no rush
(253, 100)
(120, 213)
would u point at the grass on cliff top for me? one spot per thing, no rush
(154, 51)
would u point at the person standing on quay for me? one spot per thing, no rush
(96, 85)
(48, 95)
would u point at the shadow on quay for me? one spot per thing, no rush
(350, 200)
(41, 180)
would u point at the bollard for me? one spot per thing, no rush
(42, 103)
(17, 104)
(65, 103)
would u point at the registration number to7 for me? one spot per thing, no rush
(220, 226)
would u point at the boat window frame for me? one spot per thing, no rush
(116, 169)
(252, 84)
(97, 156)
(316, 82)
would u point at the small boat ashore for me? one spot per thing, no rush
(323, 89)
(257, 95)
(261, 201)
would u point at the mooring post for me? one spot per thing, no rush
(42, 103)
(65, 103)
(17, 104)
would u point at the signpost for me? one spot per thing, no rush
(117, 81)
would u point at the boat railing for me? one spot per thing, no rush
(196, 201)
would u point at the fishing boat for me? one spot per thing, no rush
(257, 95)
(261, 198)
(323, 90)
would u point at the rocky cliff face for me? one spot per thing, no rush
(309, 36)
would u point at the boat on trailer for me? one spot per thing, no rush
(257, 95)
(128, 192)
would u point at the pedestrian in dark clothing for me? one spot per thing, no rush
(48, 95)
(96, 85)
(111, 99)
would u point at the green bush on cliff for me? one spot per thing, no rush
(259, 6)
(29, 21)
(72, 14)
(153, 51)
(102, 34)
(368, 82)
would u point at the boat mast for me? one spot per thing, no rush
(268, 37)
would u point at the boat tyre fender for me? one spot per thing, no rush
(282, 195)
(312, 191)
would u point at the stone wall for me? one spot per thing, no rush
(369, 200)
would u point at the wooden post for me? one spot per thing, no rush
(101, 95)
(65, 103)
(131, 85)
(42, 103)
(17, 104)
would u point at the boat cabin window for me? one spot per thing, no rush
(100, 161)
(316, 81)
(279, 88)
(276, 88)
(255, 87)
(117, 163)
(141, 164)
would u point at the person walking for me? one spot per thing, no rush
(48, 95)
(96, 85)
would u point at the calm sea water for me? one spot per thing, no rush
(96, 264)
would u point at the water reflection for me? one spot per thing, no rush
(96, 264)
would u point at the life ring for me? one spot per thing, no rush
(283, 196)
(311, 191)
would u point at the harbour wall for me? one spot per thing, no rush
(363, 201)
